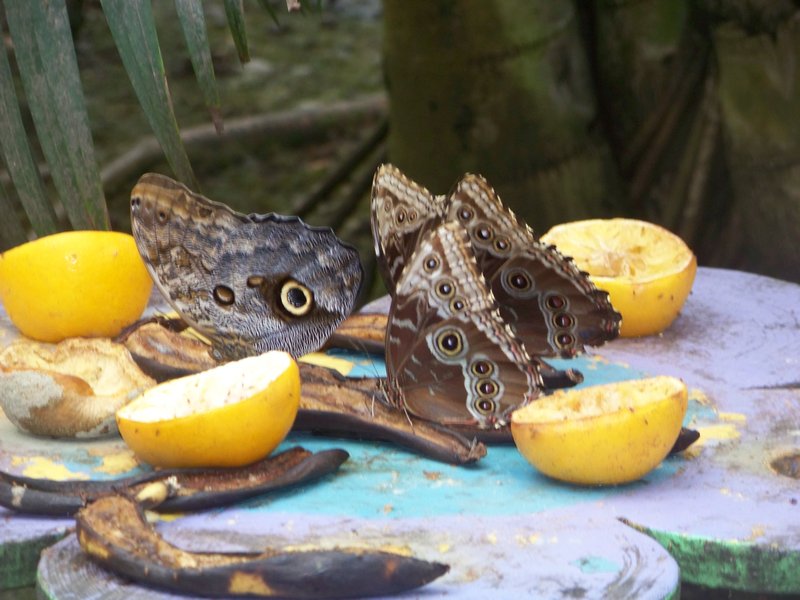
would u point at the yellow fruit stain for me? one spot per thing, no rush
(249, 583)
(732, 417)
(330, 362)
(529, 540)
(717, 433)
(116, 463)
(400, 550)
(163, 517)
(700, 397)
(41, 467)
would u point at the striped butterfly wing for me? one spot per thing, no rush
(551, 305)
(450, 357)
(401, 212)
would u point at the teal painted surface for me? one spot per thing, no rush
(596, 564)
(382, 480)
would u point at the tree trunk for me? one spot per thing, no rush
(501, 89)
(682, 113)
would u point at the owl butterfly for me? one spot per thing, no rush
(450, 356)
(552, 306)
(250, 283)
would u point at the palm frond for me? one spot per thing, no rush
(133, 28)
(45, 54)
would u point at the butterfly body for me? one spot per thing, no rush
(250, 283)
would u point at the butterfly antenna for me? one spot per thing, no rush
(381, 389)
(408, 418)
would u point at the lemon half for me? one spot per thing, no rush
(74, 284)
(604, 434)
(647, 270)
(228, 416)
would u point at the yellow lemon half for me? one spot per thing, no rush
(647, 270)
(604, 434)
(74, 284)
(228, 416)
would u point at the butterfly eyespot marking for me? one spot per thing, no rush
(457, 305)
(223, 295)
(296, 299)
(483, 232)
(501, 245)
(481, 368)
(255, 281)
(430, 264)
(161, 216)
(412, 215)
(563, 320)
(464, 214)
(564, 340)
(555, 301)
(136, 202)
(449, 342)
(401, 215)
(519, 280)
(485, 406)
(486, 388)
(445, 289)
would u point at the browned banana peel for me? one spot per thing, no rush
(366, 332)
(362, 332)
(329, 404)
(115, 533)
(172, 490)
(158, 347)
(68, 390)
(354, 407)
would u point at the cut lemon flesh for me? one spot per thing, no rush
(74, 284)
(228, 416)
(647, 270)
(604, 434)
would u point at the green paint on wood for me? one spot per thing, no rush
(19, 560)
(731, 564)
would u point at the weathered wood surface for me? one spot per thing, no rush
(726, 515)
(543, 556)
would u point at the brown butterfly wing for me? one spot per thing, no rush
(401, 212)
(249, 283)
(450, 357)
(552, 305)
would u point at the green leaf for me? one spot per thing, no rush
(19, 160)
(11, 230)
(193, 24)
(45, 54)
(268, 7)
(235, 13)
(134, 32)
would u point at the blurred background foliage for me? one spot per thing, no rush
(682, 112)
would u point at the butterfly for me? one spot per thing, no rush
(540, 303)
(249, 283)
(551, 305)
(447, 346)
